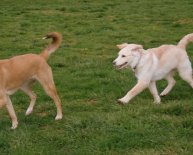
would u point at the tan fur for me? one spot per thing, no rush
(155, 64)
(159, 52)
(20, 72)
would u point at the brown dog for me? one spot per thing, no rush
(20, 72)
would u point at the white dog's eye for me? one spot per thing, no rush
(123, 56)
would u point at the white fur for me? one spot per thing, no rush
(154, 64)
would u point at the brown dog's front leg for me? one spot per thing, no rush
(138, 88)
(2, 100)
(11, 111)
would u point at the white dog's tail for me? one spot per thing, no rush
(185, 40)
(56, 41)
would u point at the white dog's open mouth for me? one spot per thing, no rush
(122, 65)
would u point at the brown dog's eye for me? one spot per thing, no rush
(123, 56)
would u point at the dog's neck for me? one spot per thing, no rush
(134, 66)
(136, 63)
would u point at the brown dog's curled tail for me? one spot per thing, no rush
(56, 41)
(185, 40)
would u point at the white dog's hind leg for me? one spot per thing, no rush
(171, 83)
(138, 88)
(154, 92)
(185, 72)
(188, 79)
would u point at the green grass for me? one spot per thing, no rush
(89, 85)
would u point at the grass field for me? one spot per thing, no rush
(89, 85)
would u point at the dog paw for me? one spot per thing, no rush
(14, 125)
(58, 117)
(157, 102)
(121, 101)
(29, 111)
(163, 94)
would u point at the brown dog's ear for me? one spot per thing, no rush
(121, 46)
(137, 47)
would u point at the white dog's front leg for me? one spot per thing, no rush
(154, 92)
(138, 88)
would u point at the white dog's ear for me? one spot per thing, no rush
(137, 47)
(121, 46)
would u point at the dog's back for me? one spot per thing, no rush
(15, 71)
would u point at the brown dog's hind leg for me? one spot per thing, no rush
(46, 80)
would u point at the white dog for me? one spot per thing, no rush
(155, 64)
